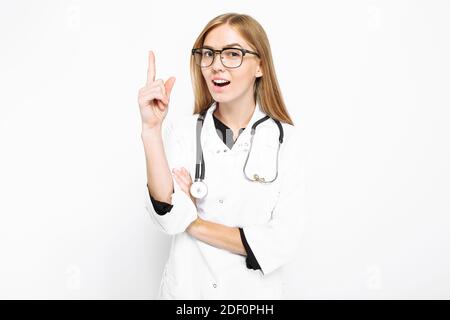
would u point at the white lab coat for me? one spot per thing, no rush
(268, 213)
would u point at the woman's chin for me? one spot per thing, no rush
(220, 97)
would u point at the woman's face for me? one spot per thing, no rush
(241, 78)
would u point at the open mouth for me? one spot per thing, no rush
(220, 83)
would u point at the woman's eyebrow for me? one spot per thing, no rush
(227, 45)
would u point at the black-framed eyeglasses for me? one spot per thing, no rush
(230, 57)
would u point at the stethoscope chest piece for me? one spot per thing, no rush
(198, 189)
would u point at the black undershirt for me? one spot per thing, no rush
(162, 208)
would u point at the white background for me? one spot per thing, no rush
(367, 81)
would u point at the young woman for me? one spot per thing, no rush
(238, 224)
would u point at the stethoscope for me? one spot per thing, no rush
(198, 188)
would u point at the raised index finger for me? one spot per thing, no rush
(151, 67)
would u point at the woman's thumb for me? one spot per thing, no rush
(169, 85)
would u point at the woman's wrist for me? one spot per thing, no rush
(194, 227)
(148, 133)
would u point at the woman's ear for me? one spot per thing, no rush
(258, 72)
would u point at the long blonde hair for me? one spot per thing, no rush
(266, 89)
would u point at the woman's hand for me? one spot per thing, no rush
(184, 180)
(154, 97)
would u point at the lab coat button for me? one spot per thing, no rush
(225, 150)
(214, 285)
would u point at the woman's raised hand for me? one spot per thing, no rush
(154, 97)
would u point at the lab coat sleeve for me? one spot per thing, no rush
(250, 261)
(160, 207)
(276, 242)
(183, 210)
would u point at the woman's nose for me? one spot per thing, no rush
(217, 63)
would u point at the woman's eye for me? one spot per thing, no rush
(233, 53)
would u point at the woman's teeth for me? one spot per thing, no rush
(221, 83)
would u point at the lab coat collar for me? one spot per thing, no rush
(211, 140)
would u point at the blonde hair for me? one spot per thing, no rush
(266, 89)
